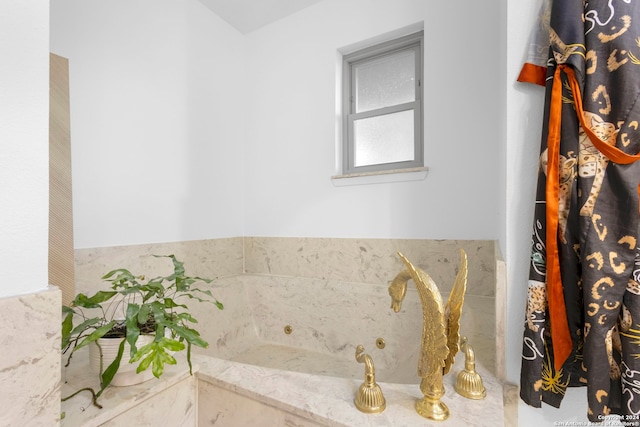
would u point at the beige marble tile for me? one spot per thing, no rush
(328, 401)
(371, 260)
(329, 319)
(511, 399)
(175, 406)
(30, 362)
(223, 408)
(351, 260)
(206, 258)
(230, 330)
(153, 402)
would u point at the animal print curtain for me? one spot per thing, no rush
(582, 324)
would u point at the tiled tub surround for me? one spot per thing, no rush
(205, 258)
(328, 320)
(169, 401)
(236, 394)
(312, 373)
(372, 261)
(30, 362)
(332, 292)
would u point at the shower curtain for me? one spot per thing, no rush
(582, 322)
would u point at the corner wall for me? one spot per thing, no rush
(24, 151)
(157, 130)
(29, 309)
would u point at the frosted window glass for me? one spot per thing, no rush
(384, 139)
(386, 81)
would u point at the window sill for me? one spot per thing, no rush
(393, 175)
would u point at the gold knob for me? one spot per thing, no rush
(369, 399)
(469, 382)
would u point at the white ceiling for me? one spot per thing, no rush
(249, 15)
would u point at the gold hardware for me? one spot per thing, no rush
(380, 343)
(288, 329)
(369, 398)
(440, 331)
(469, 382)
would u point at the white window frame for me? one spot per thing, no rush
(413, 42)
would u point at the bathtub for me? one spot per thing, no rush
(283, 353)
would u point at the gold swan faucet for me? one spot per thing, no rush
(440, 331)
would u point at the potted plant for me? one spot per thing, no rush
(135, 308)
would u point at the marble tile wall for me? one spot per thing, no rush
(372, 260)
(206, 258)
(350, 260)
(375, 261)
(332, 261)
(30, 362)
(333, 316)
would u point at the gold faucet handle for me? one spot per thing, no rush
(369, 398)
(469, 383)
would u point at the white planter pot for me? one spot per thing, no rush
(126, 374)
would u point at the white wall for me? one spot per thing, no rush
(524, 121)
(24, 142)
(291, 144)
(281, 103)
(156, 120)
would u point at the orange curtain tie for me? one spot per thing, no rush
(560, 335)
(611, 151)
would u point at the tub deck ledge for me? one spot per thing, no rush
(328, 401)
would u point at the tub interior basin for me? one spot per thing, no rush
(314, 326)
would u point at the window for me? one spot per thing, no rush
(382, 95)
